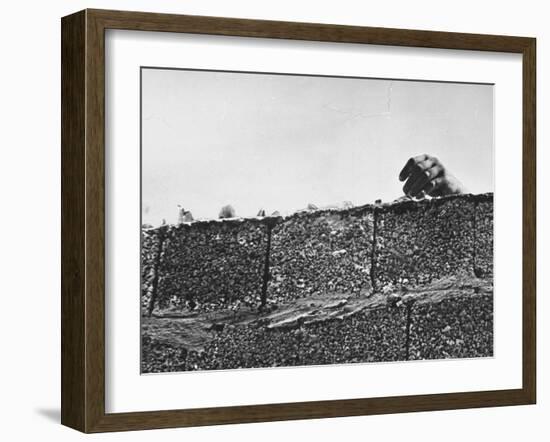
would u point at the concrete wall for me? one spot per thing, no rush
(205, 265)
(227, 263)
(319, 252)
(371, 335)
(449, 318)
(418, 242)
(151, 245)
(458, 326)
(483, 260)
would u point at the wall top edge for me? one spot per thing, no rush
(270, 220)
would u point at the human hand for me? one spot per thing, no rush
(425, 175)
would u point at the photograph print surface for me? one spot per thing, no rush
(295, 220)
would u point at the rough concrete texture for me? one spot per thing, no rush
(432, 297)
(312, 331)
(449, 318)
(483, 261)
(208, 265)
(458, 325)
(150, 249)
(418, 242)
(321, 252)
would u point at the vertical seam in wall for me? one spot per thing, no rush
(373, 250)
(266, 267)
(154, 284)
(408, 330)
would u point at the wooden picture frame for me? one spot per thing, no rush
(83, 220)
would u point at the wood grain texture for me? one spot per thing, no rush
(95, 222)
(145, 21)
(73, 129)
(83, 220)
(529, 221)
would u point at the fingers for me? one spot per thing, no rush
(409, 166)
(427, 177)
(434, 187)
(424, 173)
(417, 177)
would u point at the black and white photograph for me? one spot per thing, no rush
(302, 220)
(261, 221)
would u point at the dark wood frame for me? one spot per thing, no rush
(83, 217)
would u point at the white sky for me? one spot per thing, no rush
(279, 142)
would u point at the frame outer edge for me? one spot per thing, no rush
(95, 222)
(83, 219)
(529, 221)
(73, 132)
(197, 24)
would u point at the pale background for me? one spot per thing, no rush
(279, 142)
(30, 256)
